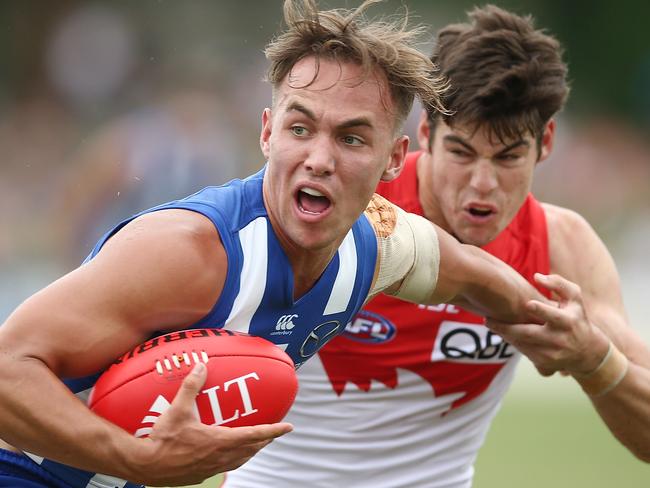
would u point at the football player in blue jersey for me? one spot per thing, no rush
(306, 237)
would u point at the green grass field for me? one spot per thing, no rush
(541, 444)
(548, 435)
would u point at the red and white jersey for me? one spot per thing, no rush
(405, 396)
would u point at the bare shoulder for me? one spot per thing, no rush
(162, 271)
(574, 246)
(565, 222)
(576, 250)
(175, 255)
(172, 221)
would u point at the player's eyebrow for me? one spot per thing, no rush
(459, 140)
(356, 122)
(299, 107)
(514, 145)
(348, 124)
(465, 144)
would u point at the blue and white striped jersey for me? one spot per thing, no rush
(258, 294)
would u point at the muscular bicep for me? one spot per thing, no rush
(435, 268)
(162, 271)
(456, 263)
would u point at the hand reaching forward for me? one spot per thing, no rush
(183, 451)
(567, 341)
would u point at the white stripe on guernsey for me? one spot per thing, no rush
(34, 457)
(84, 394)
(105, 481)
(344, 284)
(253, 275)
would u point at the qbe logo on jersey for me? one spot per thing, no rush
(469, 343)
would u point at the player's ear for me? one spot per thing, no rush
(265, 135)
(424, 132)
(397, 158)
(548, 138)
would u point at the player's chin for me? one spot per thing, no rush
(314, 234)
(315, 241)
(476, 237)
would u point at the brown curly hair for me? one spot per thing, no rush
(504, 74)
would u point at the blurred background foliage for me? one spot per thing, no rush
(109, 107)
(607, 43)
(78, 76)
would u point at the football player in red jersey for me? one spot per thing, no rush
(405, 396)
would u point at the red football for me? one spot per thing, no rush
(250, 380)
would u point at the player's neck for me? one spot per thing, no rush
(426, 193)
(307, 269)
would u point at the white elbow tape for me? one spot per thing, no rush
(408, 253)
(420, 282)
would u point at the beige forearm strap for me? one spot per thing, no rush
(420, 282)
(409, 254)
(609, 373)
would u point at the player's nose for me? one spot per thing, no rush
(321, 158)
(484, 176)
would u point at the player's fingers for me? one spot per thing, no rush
(513, 332)
(239, 455)
(259, 433)
(497, 326)
(490, 323)
(547, 313)
(545, 371)
(562, 287)
(237, 461)
(191, 385)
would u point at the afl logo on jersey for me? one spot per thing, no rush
(370, 328)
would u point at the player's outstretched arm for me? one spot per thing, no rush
(161, 272)
(477, 281)
(587, 334)
(422, 263)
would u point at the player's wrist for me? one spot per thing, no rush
(139, 461)
(606, 375)
(595, 349)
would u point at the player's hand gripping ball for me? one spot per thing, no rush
(250, 380)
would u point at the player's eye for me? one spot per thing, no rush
(299, 131)
(352, 140)
(459, 153)
(509, 159)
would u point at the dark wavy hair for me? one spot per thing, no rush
(504, 74)
(347, 35)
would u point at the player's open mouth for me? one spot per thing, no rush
(480, 211)
(311, 201)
